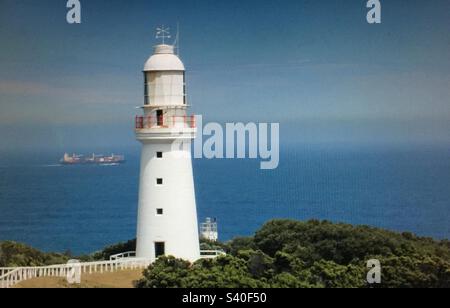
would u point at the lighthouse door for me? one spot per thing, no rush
(160, 249)
(160, 117)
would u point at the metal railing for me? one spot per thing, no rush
(152, 122)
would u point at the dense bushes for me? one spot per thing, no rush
(341, 243)
(115, 249)
(224, 272)
(15, 255)
(310, 254)
(284, 254)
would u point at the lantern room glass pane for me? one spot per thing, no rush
(164, 88)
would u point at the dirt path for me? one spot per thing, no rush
(120, 279)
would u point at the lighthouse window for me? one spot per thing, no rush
(159, 212)
(184, 88)
(160, 249)
(159, 154)
(146, 90)
(159, 181)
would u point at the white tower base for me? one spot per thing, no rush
(167, 211)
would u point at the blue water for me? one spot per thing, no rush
(84, 208)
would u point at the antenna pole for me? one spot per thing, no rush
(178, 39)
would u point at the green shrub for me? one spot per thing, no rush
(314, 254)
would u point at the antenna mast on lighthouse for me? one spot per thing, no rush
(163, 33)
(176, 43)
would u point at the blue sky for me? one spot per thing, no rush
(316, 67)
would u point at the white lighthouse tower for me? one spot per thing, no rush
(167, 215)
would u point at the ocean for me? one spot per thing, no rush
(81, 209)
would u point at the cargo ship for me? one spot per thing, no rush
(76, 159)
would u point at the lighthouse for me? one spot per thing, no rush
(167, 214)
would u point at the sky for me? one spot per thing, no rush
(316, 67)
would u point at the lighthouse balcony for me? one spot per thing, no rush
(151, 122)
(150, 127)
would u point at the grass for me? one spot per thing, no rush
(120, 279)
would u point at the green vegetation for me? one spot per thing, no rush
(16, 255)
(284, 254)
(115, 249)
(291, 254)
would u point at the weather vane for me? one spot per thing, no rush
(163, 33)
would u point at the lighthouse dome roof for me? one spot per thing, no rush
(164, 59)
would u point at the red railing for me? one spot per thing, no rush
(148, 122)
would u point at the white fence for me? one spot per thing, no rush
(5, 270)
(204, 254)
(123, 255)
(9, 277)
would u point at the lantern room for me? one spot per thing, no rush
(164, 78)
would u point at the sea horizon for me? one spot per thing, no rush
(82, 209)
